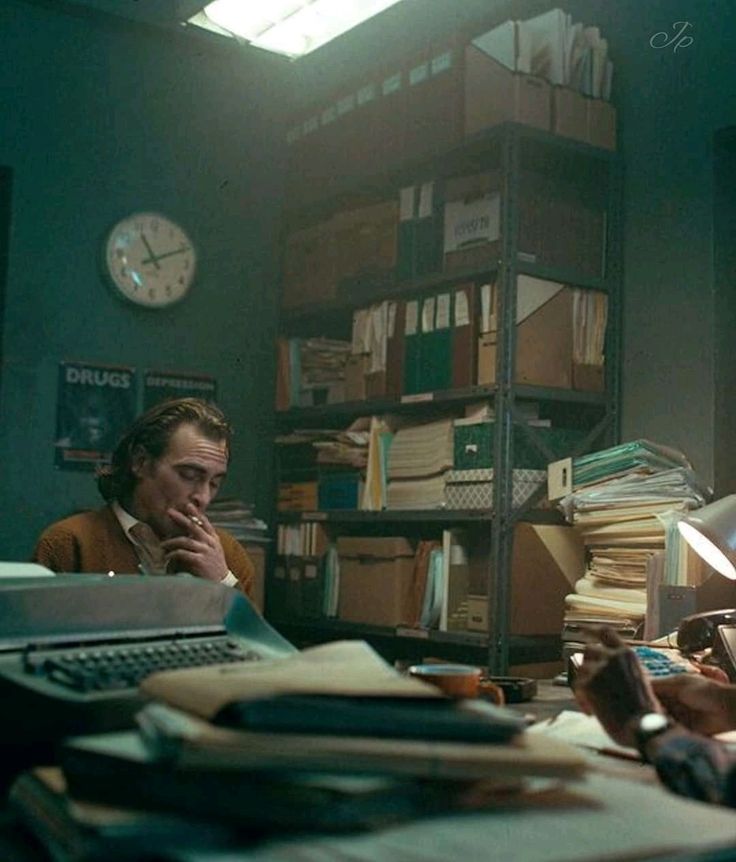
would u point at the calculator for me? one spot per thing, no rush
(659, 662)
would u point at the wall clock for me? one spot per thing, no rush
(150, 260)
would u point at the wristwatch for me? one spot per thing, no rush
(649, 725)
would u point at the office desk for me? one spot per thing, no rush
(617, 812)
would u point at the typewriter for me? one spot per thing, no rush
(74, 648)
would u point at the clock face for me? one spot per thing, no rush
(150, 260)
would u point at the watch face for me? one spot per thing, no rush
(150, 260)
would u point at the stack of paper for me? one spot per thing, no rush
(310, 371)
(550, 46)
(627, 514)
(418, 459)
(237, 518)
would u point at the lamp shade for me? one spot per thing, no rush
(711, 532)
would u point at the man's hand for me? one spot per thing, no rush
(200, 552)
(703, 705)
(612, 685)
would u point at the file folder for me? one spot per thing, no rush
(395, 348)
(464, 335)
(412, 348)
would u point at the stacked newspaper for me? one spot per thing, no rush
(626, 502)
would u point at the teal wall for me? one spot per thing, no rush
(99, 118)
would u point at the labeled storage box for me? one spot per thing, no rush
(376, 578)
(547, 560)
(473, 489)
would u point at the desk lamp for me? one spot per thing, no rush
(711, 533)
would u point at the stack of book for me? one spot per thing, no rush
(418, 460)
(626, 502)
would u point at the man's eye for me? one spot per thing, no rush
(188, 474)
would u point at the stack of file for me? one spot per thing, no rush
(310, 371)
(418, 459)
(627, 513)
(305, 448)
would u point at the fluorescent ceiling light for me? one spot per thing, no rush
(291, 27)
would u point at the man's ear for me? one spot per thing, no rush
(139, 462)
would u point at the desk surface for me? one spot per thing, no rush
(617, 811)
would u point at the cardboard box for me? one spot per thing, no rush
(376, 579)
(588, 378)
(569, 113)
(472, 228)
(375, 384)
(544, 337)
(601, 123)
(310, 266)
(494, 94)
(366, 243)
(546, 561)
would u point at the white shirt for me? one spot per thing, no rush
(127, 521)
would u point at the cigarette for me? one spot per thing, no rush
(198, 521)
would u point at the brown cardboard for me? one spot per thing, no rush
(310, 272)
(376, 579)
(588, 378)
(366, 242)
(547, 559)
(544, 342)
(569, 113)
(471, 189)
(494, 94)
(601, 123)
(356, 368)
(487, 358)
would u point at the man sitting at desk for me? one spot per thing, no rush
(164, 472)
(669, 720)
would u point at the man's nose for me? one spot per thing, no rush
(201, 496)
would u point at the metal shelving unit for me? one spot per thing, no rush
(512, 149)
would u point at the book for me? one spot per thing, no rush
(120, 769)
(75, 830)
(193, 743)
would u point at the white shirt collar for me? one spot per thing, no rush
(125, 519)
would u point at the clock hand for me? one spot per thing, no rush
(152, 259)
(167, 254)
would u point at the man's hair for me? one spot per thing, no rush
(151, 432)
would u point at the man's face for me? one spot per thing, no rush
(189, 472)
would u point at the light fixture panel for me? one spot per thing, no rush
(290, 27)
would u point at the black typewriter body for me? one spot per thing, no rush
(74, 648)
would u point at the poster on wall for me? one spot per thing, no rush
(95, 405)
(160, 385)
